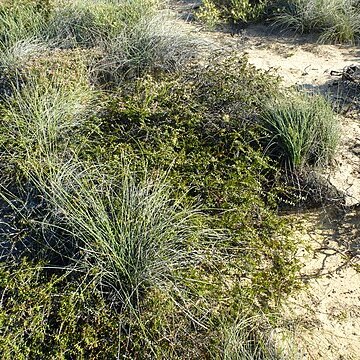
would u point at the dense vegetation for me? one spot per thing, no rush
(141, 186)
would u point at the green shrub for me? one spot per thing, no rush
(237, 11)
(302, 130)
(52, 317)
(198, 123)
(201, 127)
(209, 14)
(165, 283)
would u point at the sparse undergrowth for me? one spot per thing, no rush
(336, 21)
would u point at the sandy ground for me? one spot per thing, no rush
(325, 317)
(326, 314)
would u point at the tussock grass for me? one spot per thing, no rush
(39, 120)
(335, 20)
(254, 338)
(16, 55)
(83, 23)
(151, 45)
(18, 22)
(13, 62)
(129, 228)
(87, 23)
(302, 130)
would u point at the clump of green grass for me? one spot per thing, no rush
(302, 130)
(133, 37)
(20, 21)
(337, 21)
(16, 55)
(13, 62)
(84, 23)
(78, 23)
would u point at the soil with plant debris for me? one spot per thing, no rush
(325, 317)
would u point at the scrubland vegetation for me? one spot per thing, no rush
(141, 187)
(335, 21)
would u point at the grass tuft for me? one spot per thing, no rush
(131, 230)
(255, 338)
(152, 45)
(302, 130)
(39, 120)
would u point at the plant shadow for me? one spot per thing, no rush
(337, 237)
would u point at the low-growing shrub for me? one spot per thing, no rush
(53, 316)
(198, 123)
(237, 11)
(201, 127)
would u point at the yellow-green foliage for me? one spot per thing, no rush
(209, 13)
(213, 11)
(212, 155)
(51, 317)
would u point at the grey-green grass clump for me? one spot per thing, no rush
(126, 38)
(85, 23)
(129, 228)
(152, 45)
(302, 130)
(39, 120)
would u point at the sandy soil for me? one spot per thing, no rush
(326, 314)
(325, 317)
